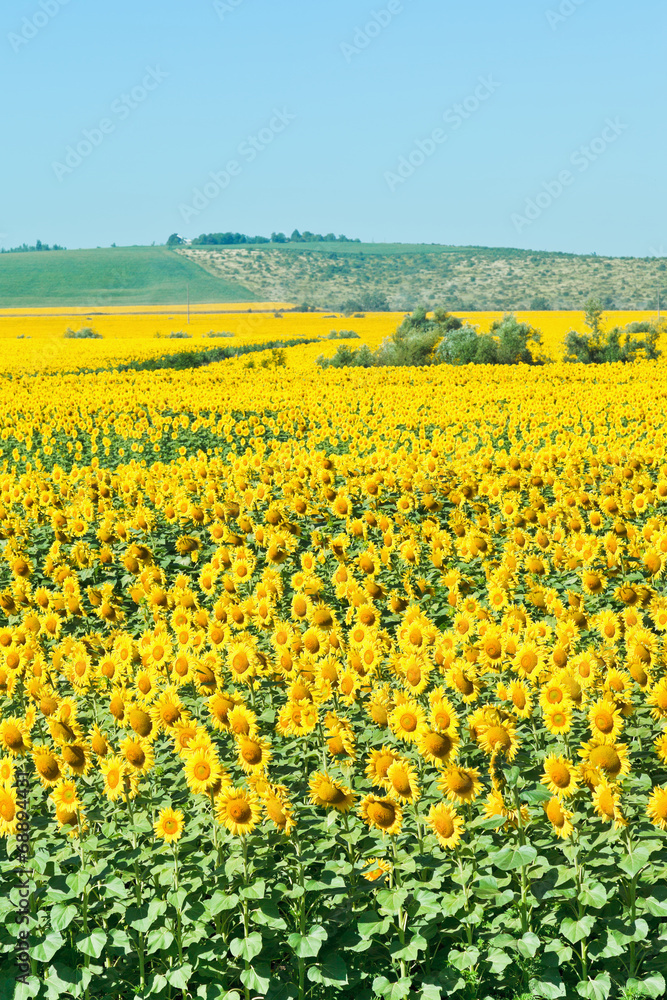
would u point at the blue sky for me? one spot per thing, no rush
(535, 124)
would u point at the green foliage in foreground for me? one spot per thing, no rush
(445, 339)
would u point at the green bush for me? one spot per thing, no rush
(85, 333)
(620, 344)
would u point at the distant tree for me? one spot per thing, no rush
(278, 238)
(296, 237)
(173, 241)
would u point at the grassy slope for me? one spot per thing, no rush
(461, 278)
(328, 274)
(115, 276)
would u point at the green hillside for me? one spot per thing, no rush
(114, 276)
(462, 278)
(331, 276)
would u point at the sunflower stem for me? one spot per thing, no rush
(632, 892)
(179, 929)
(524, 908)
(244, 843)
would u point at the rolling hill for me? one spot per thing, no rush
(331, 275)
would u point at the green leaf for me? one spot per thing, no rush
(27, 990)
(78, 882)
(62, 915)
(511, 858)
(308, 945)
(466, 959)
(45, 949)
(92, 944)
(498, 960)
(595, 989)
(652, 986)
(623, 932)
(431, 991)
(392, 900)
(656, 907)
(247, 948)
(594, 894)
(257, 978)
(141, 918)
(633, 863)
(549, 986)
(180, 976)
(391, 991)
(255, 891)
(371, 923)
(221, 901)
(410, 952)
(119, 938)
(159, 939)
(528, 945)
(331, 972)
(577, 930)
(267, 914)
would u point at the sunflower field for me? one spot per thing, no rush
(321, 683)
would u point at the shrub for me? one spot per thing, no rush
(620, 344)
(211, 333)
(343, 335)
(179, 335)
(85, 333)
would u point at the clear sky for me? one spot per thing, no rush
(533, 123)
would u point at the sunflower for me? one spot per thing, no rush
(253, 753)
(460, 784)
(558, 817)
(378, 868)
(415, 672)
(607, 805)
(446, 824)
(554, 692)
(219, 706)
(113, 769)
(605, 720)
(407, 719)
(71, 819)
(14, 736)
(169, 825)
(499, 737)
(656, 810)
(443, 715)
(402, 781)
(611, 759)
(297, 718)
(202, 770)
(166, 710)
(6, 770)
(138, 753)
(76, 757)
(383, 814)
(8, 811)
(242, 721)
(522, 702)
(330, 794)
(557, 719)
(560, 776)
(278, 808)
(238, 810)
(657, 698)
(438, 747)
(660, 744)
(528, 660)
(65, 793)
(463, 678)
(378, 763)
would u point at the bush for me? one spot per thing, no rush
(343, 335)
(85, 333)
(620, 344)
(346, 357)
(278, 359)
(211, 333)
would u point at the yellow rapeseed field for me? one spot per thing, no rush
(331, 682)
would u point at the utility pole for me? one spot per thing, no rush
(658, 303)
(188, 302)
